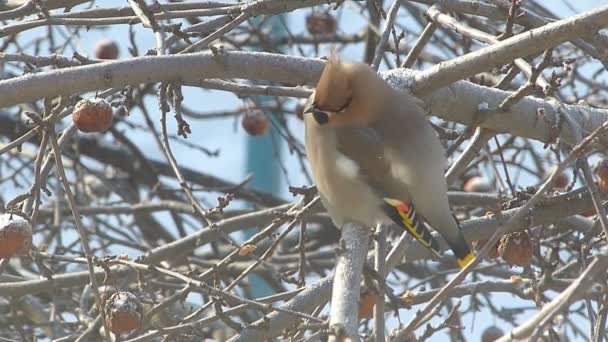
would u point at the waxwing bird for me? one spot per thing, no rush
(375, 158)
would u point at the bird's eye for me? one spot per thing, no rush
(320, 117)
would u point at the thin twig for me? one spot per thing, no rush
(479, 140)
(203, 43)
(380, 263)
(422, 40)
(600, 323)
(84, 240)
(386, 31)
(577, 152)
(563, 300)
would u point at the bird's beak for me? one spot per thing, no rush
(320, 116)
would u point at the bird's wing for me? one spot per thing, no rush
(417, 159)
(364, 146)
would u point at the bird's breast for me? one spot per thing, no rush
(346, 196)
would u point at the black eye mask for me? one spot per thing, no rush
(320, 116)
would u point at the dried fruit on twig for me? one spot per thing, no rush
(106, 49)
(124, 312)
(92, 115)
(516, 249)
(15, 235)
(320, 23)
(491, 334)
(602, 176)
(492, 254)
(408, 295)
(255, 123)
(367, 301)
(561, 180)
(246, 249)
(477, 184)
(516, 279)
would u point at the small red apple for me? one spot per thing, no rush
(255, 123)
(124, 312)
(92, 115)
(106, 49)
(15, 235)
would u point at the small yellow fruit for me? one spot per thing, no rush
(516, 279)
(408, 295)
(477, 184)
(246, 249)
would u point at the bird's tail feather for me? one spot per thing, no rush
(464, 261)
(405, 216)
(461, 249)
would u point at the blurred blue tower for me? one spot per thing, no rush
(261, 156)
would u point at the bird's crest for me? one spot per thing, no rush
(333, 88)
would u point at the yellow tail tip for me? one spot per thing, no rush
(463, 262)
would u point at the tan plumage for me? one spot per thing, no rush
(375, 158)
